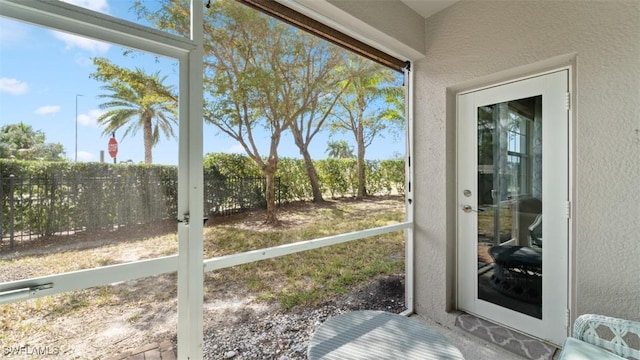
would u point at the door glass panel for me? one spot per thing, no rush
(509, 238)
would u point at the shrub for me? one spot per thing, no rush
(51, 197)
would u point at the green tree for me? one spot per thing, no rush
(21, 142)
(368, 107)
(339, 149)
(245, 94)
(136, 100)
(320, 86)
(261, 75)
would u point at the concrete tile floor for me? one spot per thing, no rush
(472, 347)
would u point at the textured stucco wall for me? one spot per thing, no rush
(475, 39)
(392, 17)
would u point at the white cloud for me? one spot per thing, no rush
(47, 109)
(74, 41)
(82, 60)
(84, 156)
(236, 149)
(95, 5)
(90, 118)
(13, 86)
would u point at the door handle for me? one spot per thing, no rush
(468, 209)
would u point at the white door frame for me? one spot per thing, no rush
(467, 298)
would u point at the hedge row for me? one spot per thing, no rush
(51, 197)
(43, 198)
(337, 177)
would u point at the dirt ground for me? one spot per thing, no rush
(98, 323)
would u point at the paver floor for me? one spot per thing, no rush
(154, 351)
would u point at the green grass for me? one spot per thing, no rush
(314, 276)
(310, 277)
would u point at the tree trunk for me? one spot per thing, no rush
(270, 193)
(312, 174)
(362, 191)
(313, 177)
(148, 141)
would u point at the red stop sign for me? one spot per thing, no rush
(113, 147)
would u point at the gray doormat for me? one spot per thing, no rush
(513, 341)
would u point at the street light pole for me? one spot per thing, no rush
(76, 159)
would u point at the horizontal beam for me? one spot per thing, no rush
(82, 279)
(328, 33)
(276, 251)
(69, 18)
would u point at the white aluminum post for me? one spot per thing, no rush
(190, 209)
(409, 187)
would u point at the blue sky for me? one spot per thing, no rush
(42, 71)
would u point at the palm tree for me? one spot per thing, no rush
(339, 150)
(142, 102)
(369, 107)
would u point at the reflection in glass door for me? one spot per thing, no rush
(510, 205)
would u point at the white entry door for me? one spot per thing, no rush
(513, 204)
